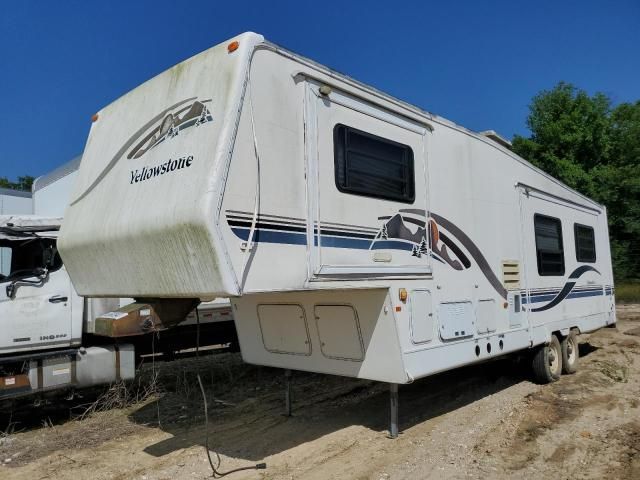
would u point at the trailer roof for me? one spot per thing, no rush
(56, 174)
(432, 117)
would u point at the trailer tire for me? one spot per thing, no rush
(570, 353)
(547, 362)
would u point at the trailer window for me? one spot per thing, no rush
(549, 251)
(585, 243)
(372, 166)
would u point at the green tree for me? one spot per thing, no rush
(23, 183)
(595, 148)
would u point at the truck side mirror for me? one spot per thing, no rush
(41, 273)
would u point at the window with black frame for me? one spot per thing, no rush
(549, 248)
(585, 243)
(369, 165)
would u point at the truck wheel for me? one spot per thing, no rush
(547, 362)
(570, 353)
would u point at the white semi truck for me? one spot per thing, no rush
(50, 337)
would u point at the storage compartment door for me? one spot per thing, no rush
(486, 314)
(339, 332)
(284, 329)
(421, 316)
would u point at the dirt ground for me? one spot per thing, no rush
(485, 421)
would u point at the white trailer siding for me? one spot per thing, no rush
(473, 188)
(15, 202)
(52, 192)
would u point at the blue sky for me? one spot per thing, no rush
(476, 63)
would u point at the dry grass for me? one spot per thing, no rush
(628, 292)
(9, 430)
(123, 394)
(173, 386)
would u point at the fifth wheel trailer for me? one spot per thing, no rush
(355, 234)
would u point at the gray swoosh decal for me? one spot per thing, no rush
(124, 148)
(471, 248)
(577, 273)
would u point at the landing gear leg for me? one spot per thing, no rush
(393, 397)
(287, 393)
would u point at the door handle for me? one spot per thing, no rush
(58, 299)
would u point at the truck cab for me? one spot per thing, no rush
(38, 304)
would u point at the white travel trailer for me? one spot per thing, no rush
(356, 234)
(52, 191)
(15, 202)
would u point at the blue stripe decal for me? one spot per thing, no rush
(567, 289)
(342, 242)
(272, 236)
(552, 296)
(295, 238)
(391, 245)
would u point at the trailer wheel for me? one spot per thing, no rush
(547, 362)
(570, 353)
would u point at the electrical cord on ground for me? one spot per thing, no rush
(214, 469)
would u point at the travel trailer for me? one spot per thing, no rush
(15, 202)
(355, 234)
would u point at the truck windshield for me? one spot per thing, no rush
(22, 257)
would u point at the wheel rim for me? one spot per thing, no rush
(571, 350)
(554, 359)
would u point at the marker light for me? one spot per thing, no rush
(94, 117)
(232, 47)
(403, 295)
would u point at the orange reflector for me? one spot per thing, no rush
(398, 308)
(94, 117)
(232, 47)
(403, 295)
